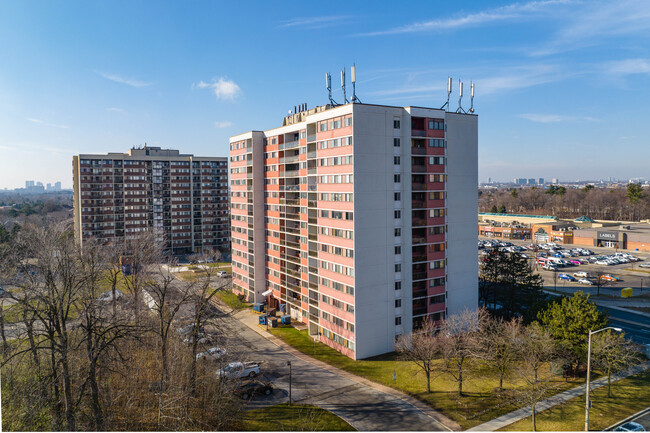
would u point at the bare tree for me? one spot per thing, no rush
(497, 345)
(612, 352)
(421, 347)
(458, 342)
(536, 348)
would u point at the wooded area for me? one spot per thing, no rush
(622, 204)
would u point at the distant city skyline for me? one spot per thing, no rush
(559, 83)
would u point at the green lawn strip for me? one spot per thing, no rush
(297, 417)
(231, 299)
(12, 313)
(630, 395)
(481, 403)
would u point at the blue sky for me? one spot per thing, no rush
(562, 87)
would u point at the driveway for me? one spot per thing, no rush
(365, 408)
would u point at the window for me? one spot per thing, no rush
(398, 232)
(437, 299)
(398, 303)
(398, 267)
(398, 214)
(347, 121)
(323, 126)
(398, 196)
(396, 142)
(398, 285)
(398, 321)
(398, 249)
(436, 160)
(437, 124)
(396, 160)
(397, 178)
(396, 124)
(437, 142)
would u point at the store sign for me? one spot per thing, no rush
(608, 235)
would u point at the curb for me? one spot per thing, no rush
(629, 418)
(445, 422)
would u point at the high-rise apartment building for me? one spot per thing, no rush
(182, 198)
(358, 220)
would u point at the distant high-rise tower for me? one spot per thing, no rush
(540, 181)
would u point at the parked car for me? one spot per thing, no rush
(250, 388)
(581, 274)
(222, 274)
(645, 265)
(235, 370)
(550, 267)
(586, 281)
(212, 353)
(566, 277)
(609, 277)
(630, 426)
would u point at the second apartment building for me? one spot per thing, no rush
(359, 220)
(182, 198)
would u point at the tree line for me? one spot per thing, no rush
(88, 347)
(461, 344)
(622, 204)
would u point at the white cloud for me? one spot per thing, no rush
(41, 122)
(223, 124)
(503, 13)
(555, 118)
(122, 80)
(315, 22)
(222, 88)
(628, 67)
(116, 110)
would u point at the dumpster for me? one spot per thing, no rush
(626, 292)
(274, 322)
(259, 307)
(285, 320)
(263, 320)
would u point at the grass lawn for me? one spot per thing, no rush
(231, 299)
(481, 402)
(283, 417)
(629, 396)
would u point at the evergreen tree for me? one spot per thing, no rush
(509, 287)
(570, 321)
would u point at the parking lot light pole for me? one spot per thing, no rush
(587, 402)
(289, 364)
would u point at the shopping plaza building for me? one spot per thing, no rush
(358, 220)
(182, 198)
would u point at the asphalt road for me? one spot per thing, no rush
(366, 408)
(635, 326)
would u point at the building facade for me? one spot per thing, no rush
(182, 198)
(358, 220)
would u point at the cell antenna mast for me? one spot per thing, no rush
(446, 104)
(354, 85)
(345, 99)
(460, 97)
(471, 99)
(328, 84)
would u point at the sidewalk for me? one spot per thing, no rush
(251, 320)
(520, 414)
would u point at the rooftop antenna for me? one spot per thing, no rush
(345, 99)
(446, 104)
(460, 97)
(471, 98)
(328, 84)
(354, 85)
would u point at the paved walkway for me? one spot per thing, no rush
(251, 320)
(520, 414)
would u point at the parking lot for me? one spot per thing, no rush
(628, 274)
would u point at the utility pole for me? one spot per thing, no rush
(289, 364)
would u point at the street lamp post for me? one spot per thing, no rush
(587, 401)
(289, 364)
